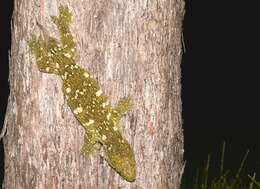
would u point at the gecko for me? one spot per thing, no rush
(84, 96)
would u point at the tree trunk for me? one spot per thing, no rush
(133, 48)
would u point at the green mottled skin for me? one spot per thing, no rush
(85, 98)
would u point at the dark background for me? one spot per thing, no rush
(5, 43)
(220, 81)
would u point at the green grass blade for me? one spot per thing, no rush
(242, 164)
(222, 158)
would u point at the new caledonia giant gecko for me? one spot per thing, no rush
(84, 96)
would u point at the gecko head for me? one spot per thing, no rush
(121, 158)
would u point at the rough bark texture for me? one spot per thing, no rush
(133, 48)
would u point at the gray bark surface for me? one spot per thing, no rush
(133, 48)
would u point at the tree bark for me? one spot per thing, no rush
(133, 48)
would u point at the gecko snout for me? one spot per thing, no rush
(123, 161)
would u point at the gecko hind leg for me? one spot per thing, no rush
(43, 53)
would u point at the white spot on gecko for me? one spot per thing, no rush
(115, 128)
(108, 116)
(65, 75)
(86, 75)
(78, 110)
(99, 92)
(68, 90)
(104, 137)
(91, 121)
(68, 55)
(104, 104)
